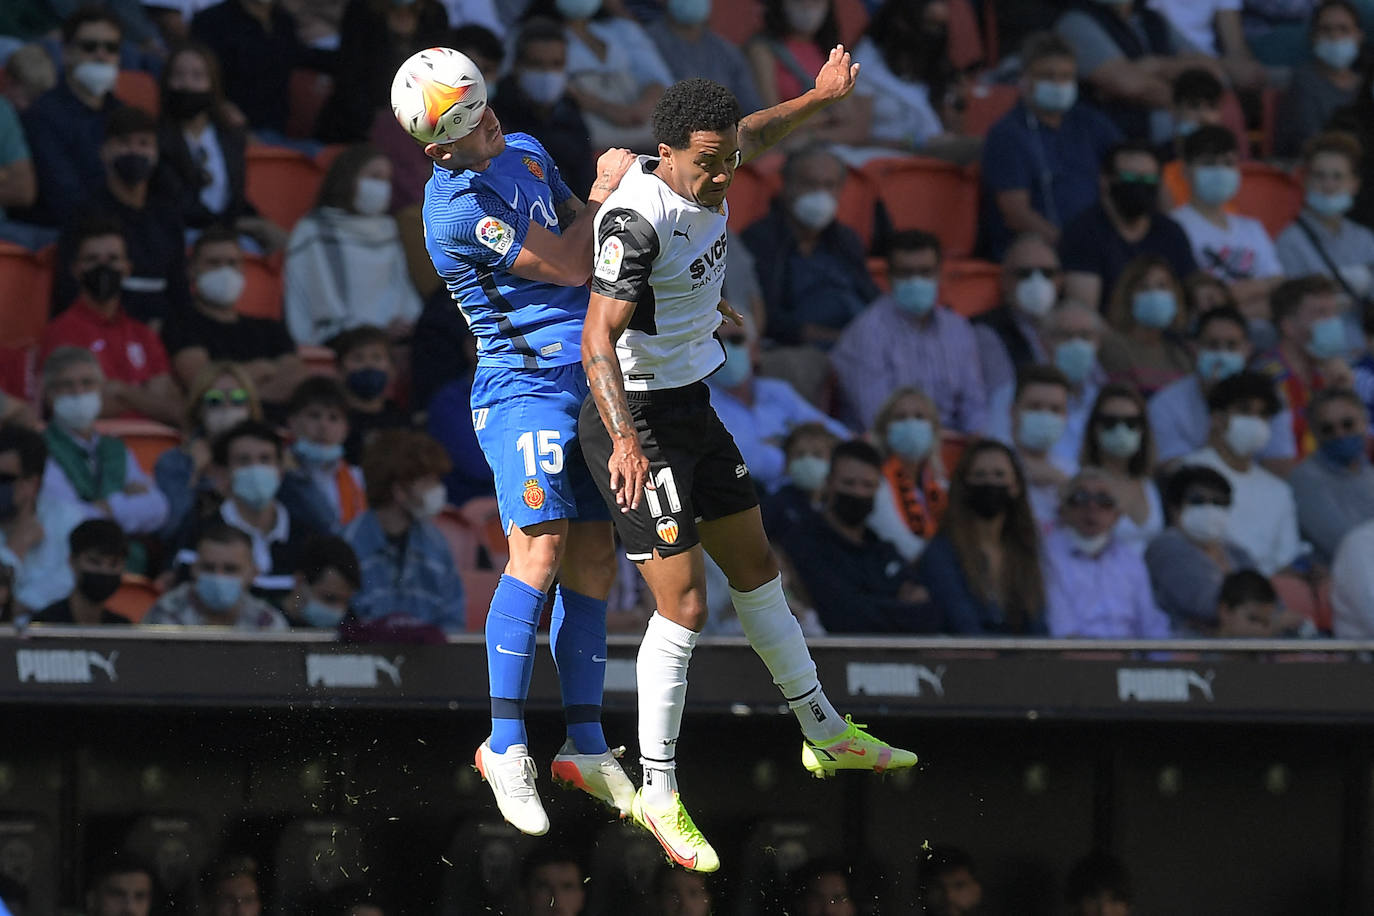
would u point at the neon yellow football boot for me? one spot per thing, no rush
(673, 828)
(854, 749)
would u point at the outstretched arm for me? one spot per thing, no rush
(607, 319)
(762, 129)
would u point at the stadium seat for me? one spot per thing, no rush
(1233, 119)
(877, 269)
(965, 42)
(138, 89)
(136, 595)
(478, 587)
(1298, 595)
(858, 205)
(307, 91)
(25, 292)
(262, 290)
(327, 154)
(315, 855)
(147, 439)
(970, 286)
(987, 104)
(751, 194)
(1269, 195)
(852, 18)
(930, 194)
(736, 21)
(281, 183)
(178, 848)
(952, 445)
(1269, 117)
(462, 539)
(319, 360)
(484, 516)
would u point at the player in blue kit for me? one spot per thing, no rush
(514, 246)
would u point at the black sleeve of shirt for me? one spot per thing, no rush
(177, 334)
(626, 246)
(273, 339)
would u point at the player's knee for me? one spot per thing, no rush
(535, 560)
(753, 569)
(687, 609)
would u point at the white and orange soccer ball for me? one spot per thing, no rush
(438, 95)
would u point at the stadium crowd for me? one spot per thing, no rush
(1061, 325)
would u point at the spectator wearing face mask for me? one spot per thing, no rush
(1119, 442)
(326, 579)
(1197, 95)
(858, 581)
(1095, 586)
(1070, 337)
(1039, 421)
(98, 550)
(1324, 85)
(363, 358)
(344, 263)
(807, 449)
(1313, 342)
(908, 338)
(690, 48)
(1264, 516)
(910, 504)
(98, 473)
(759, 412)
(1178, 412)
(1039, 160)
(1189, 560)
(1009, 336)
(1322, 240)
(63, 124)
(407, 568)
(317, 418)
(1124, 224)
(218, 594)
(982, 569)
(1247, 607)
(220, 397)
(1147, 317)
(1334, 486)
(535, 100)
(212, 329)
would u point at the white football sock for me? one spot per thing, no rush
(661, 670)
(777, 638)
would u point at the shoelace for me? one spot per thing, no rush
(521, 783)
(684, 824)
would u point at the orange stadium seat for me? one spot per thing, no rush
(135, 597)
(736, 21)
(877, 269)
(970, 286)
(462, 539)
(282, 183)
(987, 104)
(858, 204)
(952, 445)
(1269, 116)
(1269, 195)
(306, 93)
(262, 290)
(478, 587)
(484, 517)
(319, 360)
(138, 89)
(326, 156)
(965, 42)
(751, 193)
(25, 292)
(930, 194)
(852, 18)
(147, 439)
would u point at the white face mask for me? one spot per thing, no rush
(221, 287)
(220, 419)
(804, 17)
(1205, 524)
(431, 503)
(1246, 436)
(544, 87)
(77, 411)
(815, 209)
(1035, 295)
(373, 197)
(1091, 546)
(95, 77)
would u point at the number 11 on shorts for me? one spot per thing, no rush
(663, 480)
(549, 451)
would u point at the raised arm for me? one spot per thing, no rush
(762, 129)
(607, 319)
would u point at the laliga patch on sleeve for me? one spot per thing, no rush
(495, 234)
(609, 260)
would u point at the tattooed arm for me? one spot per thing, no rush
(606, 320)
(762, 129)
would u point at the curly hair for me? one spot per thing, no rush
(690, 106)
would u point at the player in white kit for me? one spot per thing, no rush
(661, 457)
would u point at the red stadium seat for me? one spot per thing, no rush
(988, 104)
(1269, 116)
(852, 18)
(282, 183)
(25, 293)
(462, 539)
(478, 587)
(877, 269)
(147, 439)
(1269, 195)
(135, 597)
(970, 286)
(138, 89)
(262, 291)
(858, 204)
(965, 42)
(952, 447)
(307, 92)
(751, 193)
(326, 156)
(319, 360)
(930, 194)
(484, 517)
(736, 21)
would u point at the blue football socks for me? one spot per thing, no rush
(578, 634)
(511, 624)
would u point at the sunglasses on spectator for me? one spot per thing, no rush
(1137, 178)
(1025, 273)
(90, 46)
(237, 397)
(1107, 421)
(1080, 498)
(1204, 499)
(1348, 426)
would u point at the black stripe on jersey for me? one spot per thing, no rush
(504, 326)
(628, 279)
(644, 315)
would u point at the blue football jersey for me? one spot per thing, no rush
(475, 226)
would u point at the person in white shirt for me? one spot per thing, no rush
(1214, 28)
(34, 549)
(615, 74)
(98, 473)
(1352, 585)
(1232, 248)
(1264, 515)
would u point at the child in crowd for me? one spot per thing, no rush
(363, 356)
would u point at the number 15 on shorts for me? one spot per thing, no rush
(541, 447)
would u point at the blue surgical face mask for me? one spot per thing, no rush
(911, 438)
(1215, 365)
(1076, 358)
(915, 295)
(1039, 430)
(689, 12)
(317, 454)
(1343, 449)
(1214, 185)
(1054, 97)
(219, 593)
(256, 484)
(1330, 204)
(1337, 53)
(737, 368)
(808, 472)
(1154, 308)
(578, 9)
(1327, 338)
(321, 616)
(1184, 128)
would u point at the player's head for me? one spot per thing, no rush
(440, 97)
(696, 125)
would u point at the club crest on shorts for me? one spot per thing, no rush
(533, 165)
(534, 494)
(667, 530)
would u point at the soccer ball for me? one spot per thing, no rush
(438, 95)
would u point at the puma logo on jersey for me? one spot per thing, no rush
(620, 222)
(686, 235)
